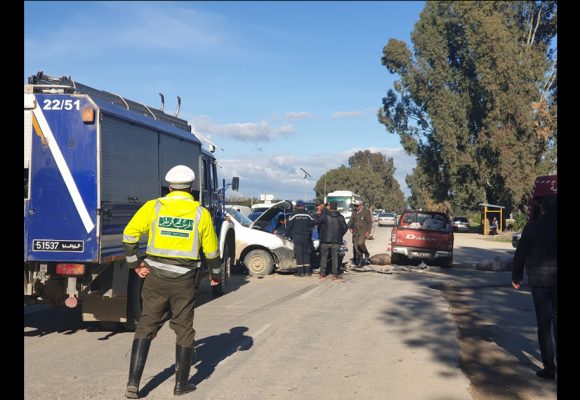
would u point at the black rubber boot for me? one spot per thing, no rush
(367, 258)
(300, 271)
(307, 270)
(183, 357)
(139, 353)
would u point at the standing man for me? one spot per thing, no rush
(299, 229)
(178, 228)
(331, 228)
(360, 225)
(320, 210)
(537, 249)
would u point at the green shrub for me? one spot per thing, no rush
(474, 218)
(521, 220)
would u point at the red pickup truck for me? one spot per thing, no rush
(425, 235)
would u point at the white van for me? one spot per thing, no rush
(261, 207)
(244, 210)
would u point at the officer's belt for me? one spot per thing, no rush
(172, 268)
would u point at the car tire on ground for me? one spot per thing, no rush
(259, 263)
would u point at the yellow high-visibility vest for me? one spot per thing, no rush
(177, 226)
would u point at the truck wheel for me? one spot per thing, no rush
(259, 263)
(134, 305)
(220, 289)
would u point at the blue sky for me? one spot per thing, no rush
(278, 85)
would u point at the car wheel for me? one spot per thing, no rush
(259, 263)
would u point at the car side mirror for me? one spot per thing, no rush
(235, 183)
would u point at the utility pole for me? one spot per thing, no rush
(306, 175)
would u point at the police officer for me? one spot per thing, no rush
(360, 224)
(299, 229)
(178, 228)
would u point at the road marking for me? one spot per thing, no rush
(262, 330)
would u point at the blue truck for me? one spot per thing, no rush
(91, 159)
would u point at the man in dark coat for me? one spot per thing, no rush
(331, 228)
(299, 229)
(537, 249)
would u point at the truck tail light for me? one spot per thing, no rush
(450, 243)
(88, 115)
(70, 269)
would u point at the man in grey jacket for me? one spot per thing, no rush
(537, 249)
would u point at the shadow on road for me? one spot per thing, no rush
(68, 321)
(495, 326)
(210, 351)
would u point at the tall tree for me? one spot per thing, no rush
(371, 175)
(476, 101)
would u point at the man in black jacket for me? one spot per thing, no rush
(537, 249)
(299, 229)
(331, 228)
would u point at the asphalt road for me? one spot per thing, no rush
(446, 334)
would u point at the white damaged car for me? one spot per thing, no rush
(259, 250)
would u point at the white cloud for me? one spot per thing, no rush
(280, 174)
(348, 114)
(299, 115)
(243, 131)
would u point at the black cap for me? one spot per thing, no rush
(318, 202)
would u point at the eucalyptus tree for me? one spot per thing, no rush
(476, 101)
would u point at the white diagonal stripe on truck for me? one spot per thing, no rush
(64, 170)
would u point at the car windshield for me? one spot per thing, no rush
(342, 203)
(388, 215)
(459, 219)
(235, 214)
(259, 209)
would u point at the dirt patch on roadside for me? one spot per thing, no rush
(493, 372)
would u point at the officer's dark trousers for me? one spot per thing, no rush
(302, 251)
(546, 305)
(359, 244)
(159, 297)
